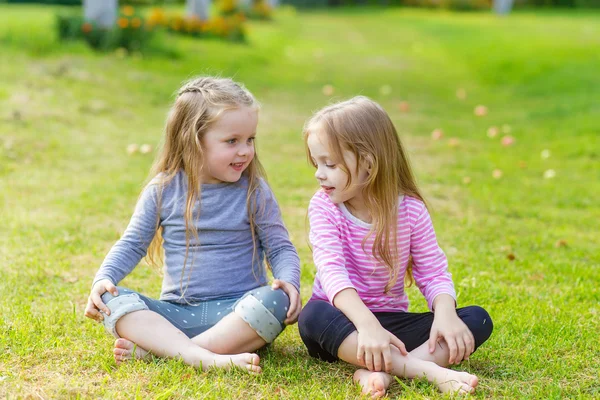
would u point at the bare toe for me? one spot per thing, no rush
(473, 381)
(254, 369)
(121, 355)
(253, 360)
(458, 382)
(469, 381)
(122, 343)
(122, 350)
(373, 383)
(126, 350)
(247, 361)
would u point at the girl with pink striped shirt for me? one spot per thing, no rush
(370, 233)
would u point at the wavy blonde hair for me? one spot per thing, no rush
(362, 126)
(198, 105)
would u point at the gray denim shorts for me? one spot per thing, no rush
(263, 308)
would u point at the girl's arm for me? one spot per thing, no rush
(127, 252)
(373, 340)
(430, 266)
(430, 270)
(279, 250)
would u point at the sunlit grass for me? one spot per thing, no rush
(523, 246)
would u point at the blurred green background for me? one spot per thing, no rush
(499, 113)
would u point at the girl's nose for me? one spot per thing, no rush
(319, 174)
(245, 150)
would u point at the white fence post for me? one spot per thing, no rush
(101, 12)
(198, 8)
(503, 6)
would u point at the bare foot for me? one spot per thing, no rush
(457, 382)
(374, 383)
(246, 361)
(126, 350)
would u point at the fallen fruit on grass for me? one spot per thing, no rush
(481, 110)
(437, 134)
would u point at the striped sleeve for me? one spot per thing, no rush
(328, 253)
(430, 266)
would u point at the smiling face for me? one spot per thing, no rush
(229, 145)
(330, 174)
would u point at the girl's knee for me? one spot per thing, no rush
(314, 314)
(126, 302)
(276, 301)
(306, 315)
(484, 319)
(264, 309)
(479, 322)
(322, 328)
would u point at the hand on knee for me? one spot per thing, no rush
(119, 306)
(295, 303)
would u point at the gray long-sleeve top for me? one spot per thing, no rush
(219, 263)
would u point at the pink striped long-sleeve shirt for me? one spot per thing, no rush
(336, 237)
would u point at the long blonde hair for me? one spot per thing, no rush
(199, 104)
(362, 126)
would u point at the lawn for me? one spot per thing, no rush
(524, 245)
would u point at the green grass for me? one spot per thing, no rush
(68, 187)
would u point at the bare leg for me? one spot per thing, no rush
(410, 366)
(153, 333)
(440, 355)
(231, 335)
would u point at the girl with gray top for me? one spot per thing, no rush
(209, 217)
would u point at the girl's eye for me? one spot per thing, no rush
(251, 140)
(331, 166)
(232, 141)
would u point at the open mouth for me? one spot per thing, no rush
(328, 189)
(237, 166)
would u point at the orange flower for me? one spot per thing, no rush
(176, 25)
(195, 24)
(123, 23)
(128, 10)
(136, 22)
(86, 27)
(219, 25)
(157, 17)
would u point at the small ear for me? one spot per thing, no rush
(367, 163)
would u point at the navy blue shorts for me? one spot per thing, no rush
(323, 327)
